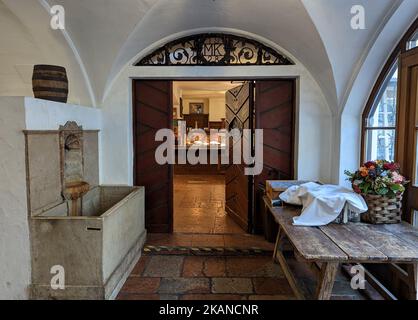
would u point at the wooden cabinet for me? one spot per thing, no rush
(202, 120)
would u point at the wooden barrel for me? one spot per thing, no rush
(50, 83)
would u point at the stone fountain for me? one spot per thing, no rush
(95, 233)
(74, 186)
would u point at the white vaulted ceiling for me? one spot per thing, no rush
(99, 29)
(106, 35)
(347, 48)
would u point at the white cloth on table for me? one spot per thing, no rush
(322, 204)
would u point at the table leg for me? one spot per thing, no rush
(326, 280)
(413, 281)
(278, 256)
(276, 246)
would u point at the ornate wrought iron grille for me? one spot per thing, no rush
(214, 49)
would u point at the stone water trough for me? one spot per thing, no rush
(86, 245)
(97, 250)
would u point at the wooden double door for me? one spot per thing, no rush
(267, 105)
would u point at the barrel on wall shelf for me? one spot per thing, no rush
(50, 83)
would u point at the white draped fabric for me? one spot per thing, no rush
(322, 204)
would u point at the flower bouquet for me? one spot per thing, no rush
(382, 186)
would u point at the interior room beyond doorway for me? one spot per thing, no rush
(199, 190)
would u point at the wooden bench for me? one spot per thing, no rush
(330, 246)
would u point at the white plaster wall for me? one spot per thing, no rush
(116, 155)
(14, 230)
(217, 109)
(18, 114)
(313, 142)
(49, 115)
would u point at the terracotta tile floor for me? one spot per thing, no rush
(166, 277)
(205, 278)
(199, 205)
(200, 221)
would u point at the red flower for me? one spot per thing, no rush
(391, 166)
(356, 189)
(370, 164)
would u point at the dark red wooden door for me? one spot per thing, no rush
(153, 111)
(275, 113)
(239, 114)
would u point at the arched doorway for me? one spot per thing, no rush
(267, 104)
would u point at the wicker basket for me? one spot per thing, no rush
(383, 210)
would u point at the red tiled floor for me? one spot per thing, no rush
(215, 267)
(139, 285)
(140, 266)
(219, 278)
(247, 241)
(193, 267)
(176, 239)
(224, 225)
(164, 266)
(184, 285)
(269, 286)
(200, 240)
(252, 267)
(232, 285)
(204, 267)
(199, 205)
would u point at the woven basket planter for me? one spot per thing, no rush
(383, 210)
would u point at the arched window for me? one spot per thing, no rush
(380, 128)
(380, 123)
(412, 41)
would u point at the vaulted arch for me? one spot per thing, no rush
(28, 39)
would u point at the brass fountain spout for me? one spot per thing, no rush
(74, 191)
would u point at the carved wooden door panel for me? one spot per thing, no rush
(275, 113)
(239, 187)
(153, 111)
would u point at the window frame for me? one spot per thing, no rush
(380, 85)
(367, 128)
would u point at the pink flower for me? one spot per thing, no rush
(397, 178)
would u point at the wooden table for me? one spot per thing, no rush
(209, 168)
(335, 244)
